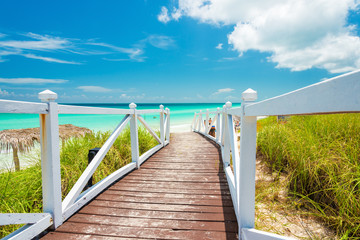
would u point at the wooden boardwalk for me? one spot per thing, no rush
(179, 193)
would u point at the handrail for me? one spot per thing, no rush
(336, 95)
(55, 210)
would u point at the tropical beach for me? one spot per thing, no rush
(180, 119)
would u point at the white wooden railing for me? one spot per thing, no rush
(337, 95)
(56, 211)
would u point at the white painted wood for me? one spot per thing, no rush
(223, 123)
(197, 123)
(50, 158)
(47, 96)
(235, 159)
(167, 129)
(149, 153)
(89, 171)
(245, 180)
(218, 130)
(92, 192)
(7, 106)
(30, 231)
(200, 121)
(145, 111)
(134, 135)
(21, 218)
(162, 125)
(336, 95)
(207, 122)
(231, 183)
(141, 119)
(226, 140)
(193, 122)
(253, 234)
(67, 109)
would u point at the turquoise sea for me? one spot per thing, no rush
(181, 117)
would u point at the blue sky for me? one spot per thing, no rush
(173, 51)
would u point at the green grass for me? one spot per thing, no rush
(21, 192)
(321, 155)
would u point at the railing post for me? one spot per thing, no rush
(50, 158)
(245, 180)
(134, 136)
(222, 136)
(217, 133)
(162, 130)
(167, 134)
(200, 120)
(207, 122)
(193, 125)
(226, 155)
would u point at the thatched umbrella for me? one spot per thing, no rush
(23, 139)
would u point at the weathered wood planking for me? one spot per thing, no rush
(179, 193)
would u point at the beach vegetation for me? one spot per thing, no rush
(319, 156)
(21, 191)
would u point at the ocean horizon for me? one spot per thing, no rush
(181, 116)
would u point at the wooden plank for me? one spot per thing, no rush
(179, 185)
(99, 210)
(180, 192)
(166, 195)
(336, 95)
(203, 202)
(140, 232)
(8, 106)
(209, 179)
(155, 223)
(76, 236)
(162, 207)
(153, 188)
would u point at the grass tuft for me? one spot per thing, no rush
(321, 156)
(21, 191)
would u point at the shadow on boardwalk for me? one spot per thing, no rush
(179, 193)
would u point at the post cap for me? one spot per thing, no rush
(218, 109)
(161, 106)
(167, 109)
(200, 111)
(132, 105)
(47, 96)
(228, 104)
(249, 95)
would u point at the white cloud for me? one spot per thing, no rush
(35, 43)
(134, 54)
(176, 14)
(31, 80)
(219, 46)
(298, 34)
(94, 89)
(160, 41)
(41, 42)
(223, 90)
(163, 15)
(48, 59)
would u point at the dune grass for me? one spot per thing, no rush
(21, 191)
(321, 157)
